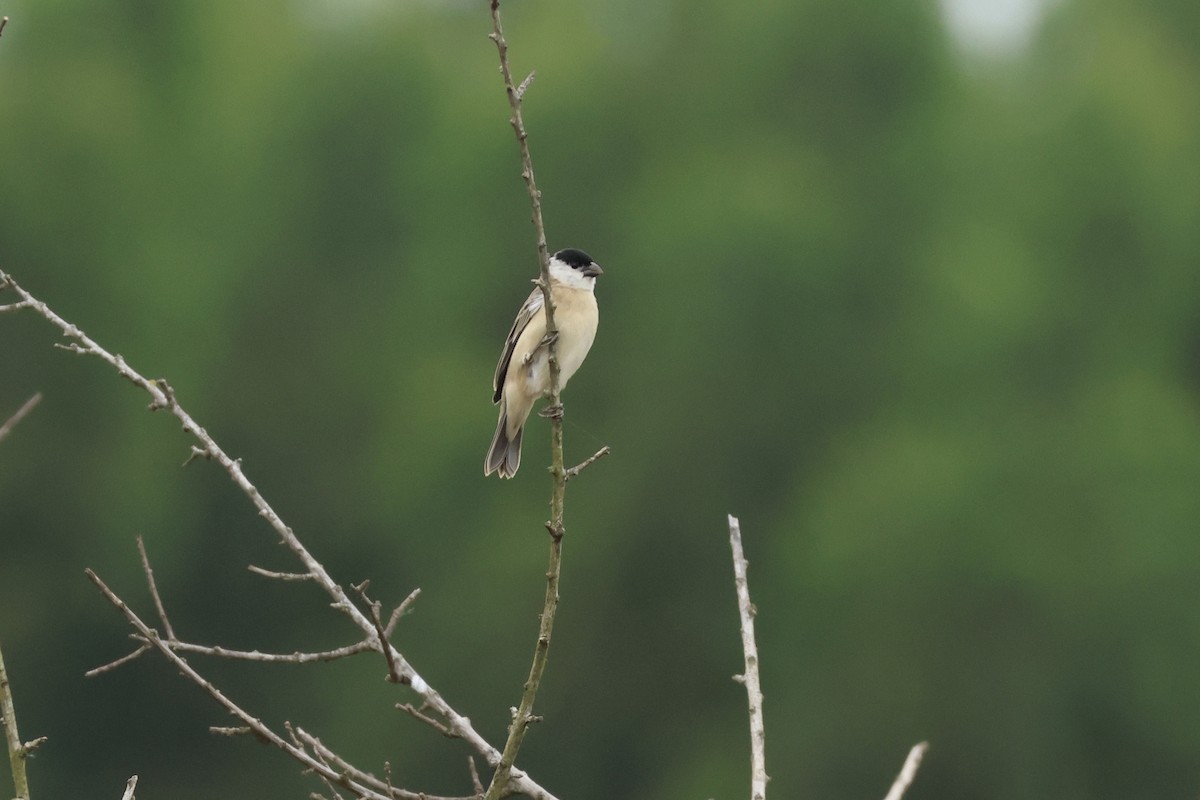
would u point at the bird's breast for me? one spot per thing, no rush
(576, 317)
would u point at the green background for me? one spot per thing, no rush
(926, 317)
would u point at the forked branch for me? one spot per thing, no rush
(163, 397)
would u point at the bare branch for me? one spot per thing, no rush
(125, 659)
(3, 23)
(475, 776)
(280, 576)
(158, 604)
(130, 785)
(416, 713)
(17, 752)
(22, 412)
(399, 612)
(908, 772)
(746, 610)
(220, 730)
(209, 449)
(592, 459)
(272, 658)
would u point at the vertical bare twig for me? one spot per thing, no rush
(17, 752)
(129, 787)
(747, 611)
(908, 772)
(3, 23)
(523, 714)
(22, 412)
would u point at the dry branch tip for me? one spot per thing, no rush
(908, 772)
(20, 414)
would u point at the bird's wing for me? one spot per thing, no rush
(531, 307)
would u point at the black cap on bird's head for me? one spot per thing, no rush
(579, 261)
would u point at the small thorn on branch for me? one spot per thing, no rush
(198, 452)
(168, 398)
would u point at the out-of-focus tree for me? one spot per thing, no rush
(924, 318)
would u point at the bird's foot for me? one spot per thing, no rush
(552, 411)
(547, 340)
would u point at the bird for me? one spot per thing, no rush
(523, 372)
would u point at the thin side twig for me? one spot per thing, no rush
(416, 713)
(374, 607)
(746, 611)
(158, 603)
(272, 658)
(280, 576)
(163, 397)
(130, 785)
(908, 772)
(592, 459)
(125, 659)
(22, 412)
(405, 604)
(475, 776)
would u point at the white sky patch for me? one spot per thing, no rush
(993, 27)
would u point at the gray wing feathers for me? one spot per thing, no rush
(532, 304)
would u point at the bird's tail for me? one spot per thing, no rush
(504, 456)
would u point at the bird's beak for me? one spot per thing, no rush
(592, 270)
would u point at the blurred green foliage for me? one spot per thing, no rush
(927, 320)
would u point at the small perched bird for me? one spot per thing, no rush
(523, 374)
